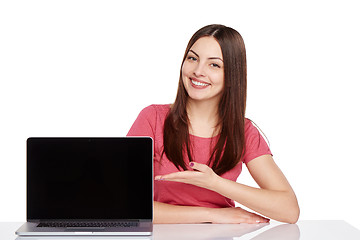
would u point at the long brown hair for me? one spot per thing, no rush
(230, 145)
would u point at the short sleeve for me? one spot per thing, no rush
(256, 145)
(144, 124)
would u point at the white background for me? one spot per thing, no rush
(86, 68)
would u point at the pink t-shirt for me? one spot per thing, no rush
(150, 122)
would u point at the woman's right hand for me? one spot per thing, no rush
(235, 215)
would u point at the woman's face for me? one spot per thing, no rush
(203, 70)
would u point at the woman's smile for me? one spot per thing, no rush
(196, 83)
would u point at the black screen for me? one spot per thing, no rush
(89, 178)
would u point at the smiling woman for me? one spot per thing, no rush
(203, 72)
(202, 139)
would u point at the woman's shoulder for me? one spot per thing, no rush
(251, 128)
(248, 124)
(161, 107)
(155, 111)
(150, 120)
(255, 143)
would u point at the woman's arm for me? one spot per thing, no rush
(274, 199)
(168, 213)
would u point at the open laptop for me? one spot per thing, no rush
(89, 186)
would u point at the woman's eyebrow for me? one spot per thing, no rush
(216, 58)
(197, 55)
(194, 52)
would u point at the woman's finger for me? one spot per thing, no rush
(177, 176)
(199, 166)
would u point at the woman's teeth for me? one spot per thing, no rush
(199, 83)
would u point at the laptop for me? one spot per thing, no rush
(89, 186)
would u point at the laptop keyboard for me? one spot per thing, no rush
(88, 224)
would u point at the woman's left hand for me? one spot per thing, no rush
(203, 176)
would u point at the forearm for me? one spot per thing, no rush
(167, 213)
(278, 205)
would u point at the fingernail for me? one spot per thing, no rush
(191, 164)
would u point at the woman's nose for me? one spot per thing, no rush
(199, 70)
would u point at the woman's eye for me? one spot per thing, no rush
(215, 65)
(191, 58)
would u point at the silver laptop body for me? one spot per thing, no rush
(89, 186)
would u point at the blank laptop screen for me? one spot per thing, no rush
(89, 178)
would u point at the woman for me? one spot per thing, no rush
(201, 141)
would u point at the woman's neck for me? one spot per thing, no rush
(203, 117)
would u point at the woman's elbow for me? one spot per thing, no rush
(290, 211)
(292, 215)
(293, 209)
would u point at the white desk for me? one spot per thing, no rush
(304, 230)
